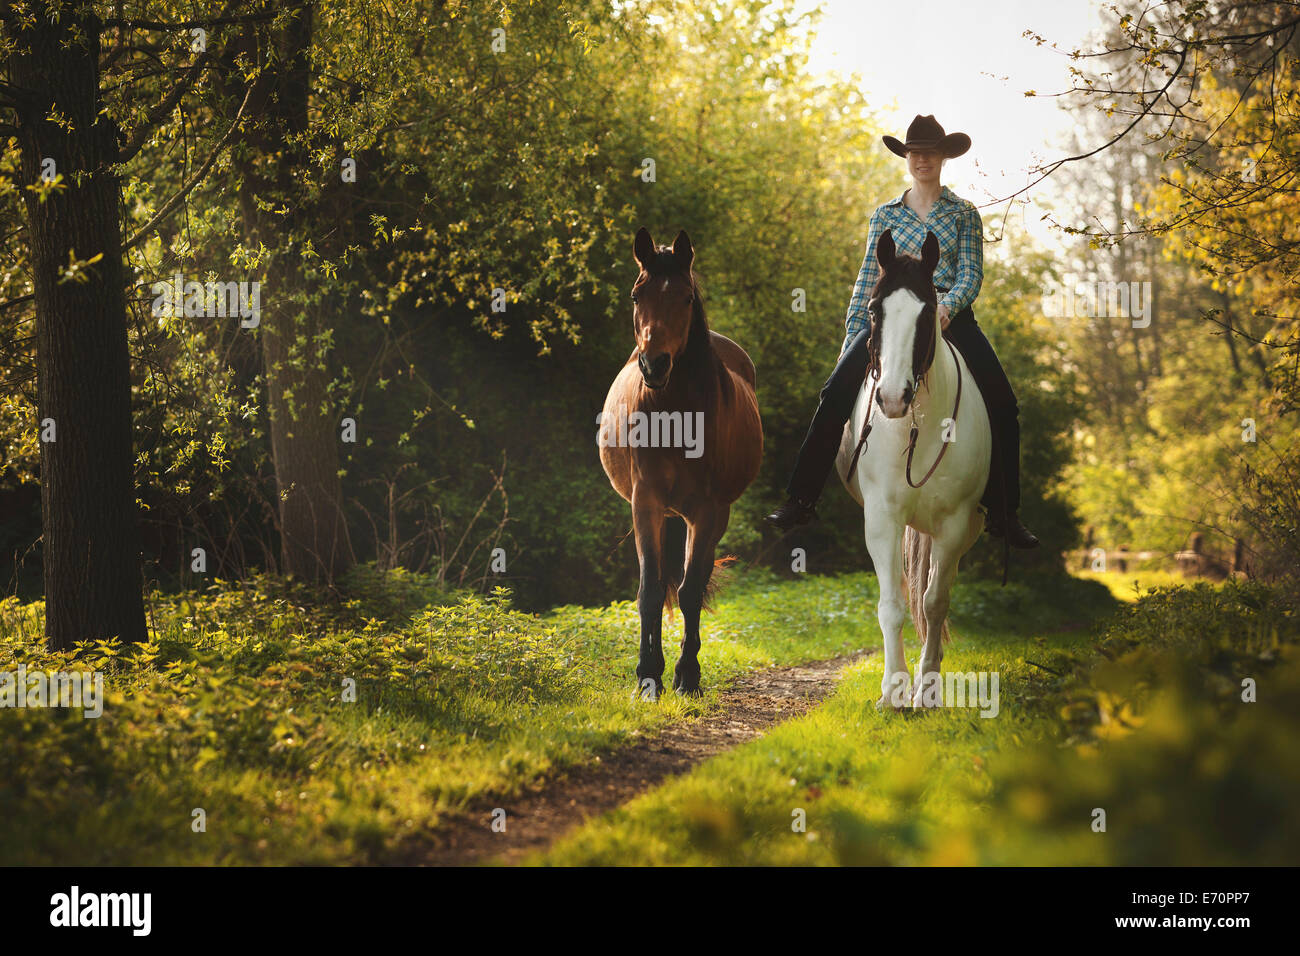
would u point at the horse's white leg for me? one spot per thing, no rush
(946, 549)
(885, 543)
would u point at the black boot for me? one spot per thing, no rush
(1002, 497)
(794, 512)
(822, 443)
(1018, 536)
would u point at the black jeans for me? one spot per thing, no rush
(838, 395)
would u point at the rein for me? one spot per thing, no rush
(911, 441)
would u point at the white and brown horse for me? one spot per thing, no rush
(680, 438)
(920, 480)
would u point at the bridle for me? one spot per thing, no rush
(873, 373)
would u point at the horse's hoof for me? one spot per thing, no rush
(896, 693)
(648, 689)
(930, 687)
(686, 681)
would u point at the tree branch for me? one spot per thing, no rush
(170, 206)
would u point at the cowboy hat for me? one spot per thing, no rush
(926, 133)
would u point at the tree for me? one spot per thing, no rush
(1206, 90)
(69, 148)
(296, 323)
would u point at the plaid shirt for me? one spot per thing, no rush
(955, 222)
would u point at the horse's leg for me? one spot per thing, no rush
(709, 523)
(885, 544)
(648, 522)
(954, 539)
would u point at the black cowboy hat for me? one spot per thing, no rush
(926, 133)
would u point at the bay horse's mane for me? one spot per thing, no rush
(696, 355)
(698, 369)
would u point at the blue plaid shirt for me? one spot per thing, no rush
(955, 222)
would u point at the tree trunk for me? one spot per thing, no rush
(91, 537)
(305, 434)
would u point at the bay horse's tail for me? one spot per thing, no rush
(916, 575)
(672, 555)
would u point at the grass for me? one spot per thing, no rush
(1130, 585)
(349, 731)
(238, 710)
(1145, 722)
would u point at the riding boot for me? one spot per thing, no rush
(822, 443)
(1002, 495)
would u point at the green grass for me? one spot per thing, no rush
(1145, 722)
(1130, 585)
(236, 709)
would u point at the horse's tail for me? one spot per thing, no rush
(672, 557)
(718, 579)
(916, 575)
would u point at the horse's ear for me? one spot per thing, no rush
(930, 252)
(885, 250)
(682, 251)
(644, 248)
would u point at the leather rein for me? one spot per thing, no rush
(911, 441)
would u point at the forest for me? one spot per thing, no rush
(308, 308)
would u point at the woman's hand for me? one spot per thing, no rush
(944, 317)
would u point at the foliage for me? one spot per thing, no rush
(1195, 106)
(1147, 723)
(236, 707)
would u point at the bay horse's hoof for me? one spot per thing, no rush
(648, 689)
(691, 689)
(687, 681)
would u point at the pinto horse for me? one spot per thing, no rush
(918, 524)
(680, 438)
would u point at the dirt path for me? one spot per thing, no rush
(751, 705)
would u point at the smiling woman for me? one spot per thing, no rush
(926, 209)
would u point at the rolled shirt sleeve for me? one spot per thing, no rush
(857, 319)
(970, 263)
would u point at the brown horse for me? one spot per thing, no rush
(680, 438)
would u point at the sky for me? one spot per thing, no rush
(966, 62)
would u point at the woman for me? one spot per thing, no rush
(926, 206)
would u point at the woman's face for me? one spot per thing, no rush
(924, 165)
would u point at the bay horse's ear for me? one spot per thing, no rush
(644, 248)
(885, 250)
(682, 251)
(930, 251)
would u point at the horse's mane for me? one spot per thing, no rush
(907, 272)
(697, 357)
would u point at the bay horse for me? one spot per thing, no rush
(680, 438)
(918, 524)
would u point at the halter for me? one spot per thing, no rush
(915, 431)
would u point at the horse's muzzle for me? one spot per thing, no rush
(895, 409)
(654, 372)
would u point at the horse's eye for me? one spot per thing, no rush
(690, 299)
